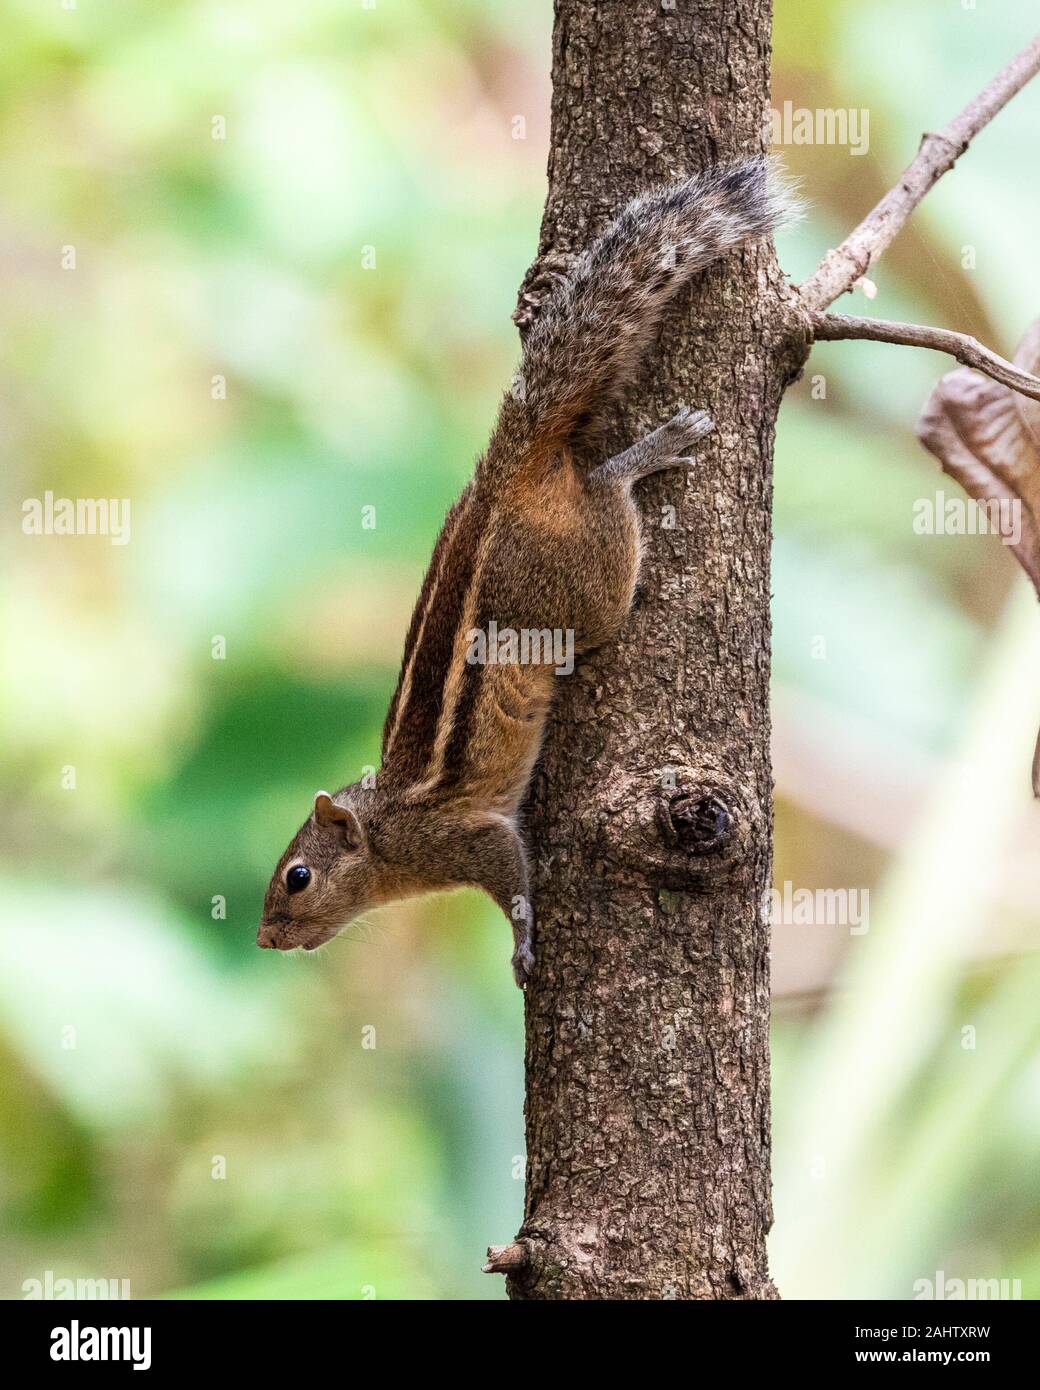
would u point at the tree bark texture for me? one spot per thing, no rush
(651, 817)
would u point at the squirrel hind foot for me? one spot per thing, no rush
(669, 446)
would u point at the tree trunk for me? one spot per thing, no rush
(651, 816)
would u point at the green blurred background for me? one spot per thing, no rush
(263, 336)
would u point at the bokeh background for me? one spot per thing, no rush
(262, 336)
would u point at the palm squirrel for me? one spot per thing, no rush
(540, 550)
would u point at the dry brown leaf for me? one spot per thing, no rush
(987, 438)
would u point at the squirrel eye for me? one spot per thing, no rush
(297, 878)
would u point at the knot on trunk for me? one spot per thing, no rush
(700, 824)
(678, 827)
(708, 823)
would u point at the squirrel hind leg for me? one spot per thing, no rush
(669, 446)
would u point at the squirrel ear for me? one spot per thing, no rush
(338, 818)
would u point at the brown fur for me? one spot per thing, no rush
(534, 544)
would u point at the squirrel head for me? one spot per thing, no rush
(324, 879)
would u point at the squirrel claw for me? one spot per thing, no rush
(686, 427)
(523, 964)
(676, 439)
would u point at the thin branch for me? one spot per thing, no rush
(967, 350)
(939, 151)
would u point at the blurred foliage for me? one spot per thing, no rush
(264, 335)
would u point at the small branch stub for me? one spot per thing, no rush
(506, 1259)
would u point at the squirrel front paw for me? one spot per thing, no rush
(523, 963)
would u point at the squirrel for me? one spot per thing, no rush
(540, 542)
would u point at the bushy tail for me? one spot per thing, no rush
(595, 325)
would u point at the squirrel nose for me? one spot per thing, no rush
(265, 936)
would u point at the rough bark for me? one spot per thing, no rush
(647, 1022)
